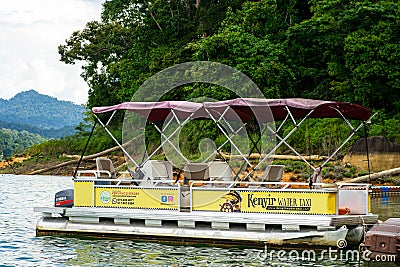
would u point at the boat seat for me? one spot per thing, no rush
(219, 171)
(105, 165)
(105, 170)
(156, 171)
(196, 172)
(273, 173)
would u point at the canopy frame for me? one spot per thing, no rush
(105, 127)
(283, 109)
(167, 138)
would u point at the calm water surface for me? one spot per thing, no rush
(19, 245)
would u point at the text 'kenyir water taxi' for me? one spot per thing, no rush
(215, 202)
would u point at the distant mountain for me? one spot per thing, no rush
(41, 111)
(30, 118)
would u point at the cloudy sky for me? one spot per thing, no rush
(30, 33)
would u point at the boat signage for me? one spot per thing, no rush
(86, 194)
(142, 198)
(278, 203)
(298, 202)
(289, 202)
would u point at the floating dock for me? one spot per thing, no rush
(385, 191)
(382, 242)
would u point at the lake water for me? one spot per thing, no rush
(19, 245)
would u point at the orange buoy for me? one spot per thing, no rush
(344, 210)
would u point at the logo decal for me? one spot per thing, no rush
(165, 199)
(232, 202)
(105, 197)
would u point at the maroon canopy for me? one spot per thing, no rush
(244, 109)
(154, 111)
(299, 108)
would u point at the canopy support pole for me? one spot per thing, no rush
(353, 132)
(233, 133)
(367, 150)
(109, 119)
(340, 147)
(227, 141)
(297, 153)
(84, 150)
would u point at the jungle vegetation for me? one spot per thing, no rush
(339, 50)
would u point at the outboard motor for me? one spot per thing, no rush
(64, 198)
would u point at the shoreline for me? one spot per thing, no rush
(27, 165)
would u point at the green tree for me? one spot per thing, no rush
(250, 40)
(323, 49)
(136, 39)
(13, 142)
(348, 51)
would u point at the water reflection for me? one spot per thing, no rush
(386, 206)
(130, 253)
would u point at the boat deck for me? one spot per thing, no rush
(123, 216)
(204, 227)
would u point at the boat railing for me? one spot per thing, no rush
(250, 185)
(94, 173)
(354, 186)
(97, 176)
(101, 180)
(214, 185)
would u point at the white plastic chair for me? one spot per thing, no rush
(157, 171)
(220, 171)
(105, 165)
(273, 173)
(196, 172)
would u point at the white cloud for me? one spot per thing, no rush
(30, 33)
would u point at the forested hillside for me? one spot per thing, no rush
(12, 142)
(44, 132)
(321, 49)
(36, 110)
(331, 50)
(30, 118)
